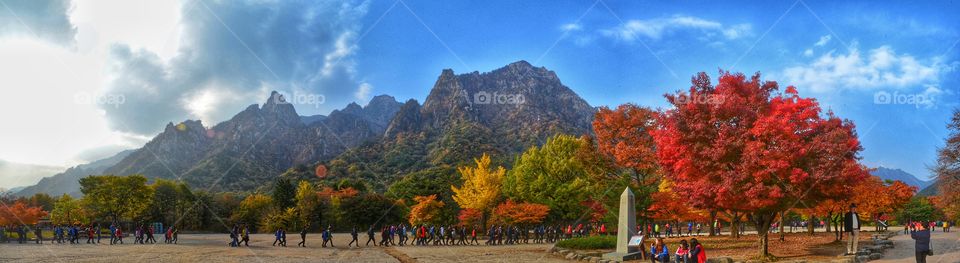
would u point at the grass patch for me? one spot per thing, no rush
(592, 242)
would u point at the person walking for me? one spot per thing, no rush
(371, 236)
(119, 234)
(353, 237)
(327, 237)
(90, 235)
(276, 237)
(39, 233)
(99, 232)
(851, 223)
(244, 236)
(921, 236)
(150, 235)
(113, 233)
(303, 238)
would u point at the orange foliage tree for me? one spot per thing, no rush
(470, 216)
(624, 134)
(875, 197)
(669, 206)
(510, 212)
(20, 213)
(426, 210)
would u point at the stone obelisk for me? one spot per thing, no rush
(626, 226)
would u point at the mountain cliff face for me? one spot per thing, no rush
(254, 146)
(501, 112)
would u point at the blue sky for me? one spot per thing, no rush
(108, 75)
(670, 42)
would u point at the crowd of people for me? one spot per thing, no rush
(435, 235)
(93, 233)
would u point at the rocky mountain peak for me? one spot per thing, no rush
(276, 107)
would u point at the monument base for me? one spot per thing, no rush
(623, 256)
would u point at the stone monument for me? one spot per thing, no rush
(626, 228)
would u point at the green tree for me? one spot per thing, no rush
(42, 200)
(554, 175)
(368, 209)
(116, 197)
(284, 193)
(174, 203)
(432, 181)
(67, 210)
(919, 209)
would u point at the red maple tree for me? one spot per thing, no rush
(740, 147)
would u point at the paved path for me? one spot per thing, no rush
(946, 249)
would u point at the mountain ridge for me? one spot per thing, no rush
(886, 173)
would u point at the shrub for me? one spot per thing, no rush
(592, 242)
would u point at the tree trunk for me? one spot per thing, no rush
(762, 221)
(829, 222)
(838, 226)
(735, 225)
(810, 225)
(782, 238)
(713, 218)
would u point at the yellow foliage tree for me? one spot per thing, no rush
(481, 186)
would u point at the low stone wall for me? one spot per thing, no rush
(574, 255)
(880, 243)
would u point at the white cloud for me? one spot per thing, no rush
(363, 92)
(823, 41)
(45, 19)
(146, 24)
(881, 67)
(52, 112)
(226, 61)
(659, 27)
(571, 27)
(808, 52)
(168, 60)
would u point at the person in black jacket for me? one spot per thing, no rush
(851, 224)
(922, 245)
(353, 235)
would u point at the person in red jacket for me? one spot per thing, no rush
(697, 253)
(120, 234)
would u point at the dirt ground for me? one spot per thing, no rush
(214, 248)
(946, 249)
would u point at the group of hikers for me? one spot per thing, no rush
(72, 234)
(456, 235)
(423, 235)
(667, 229)
(932, 226)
